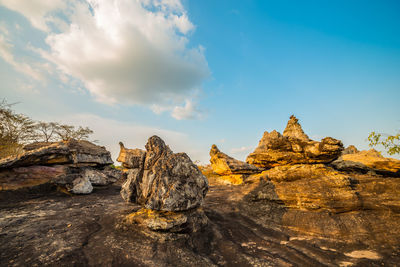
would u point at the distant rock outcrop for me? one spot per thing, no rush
(293, 147)
(162, 181)
(223, 164)
(365, 161)
(75, 165)
(350, 150)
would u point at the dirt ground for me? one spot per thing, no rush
(51, 228)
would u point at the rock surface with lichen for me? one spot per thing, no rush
(164, 180)
(168, 185)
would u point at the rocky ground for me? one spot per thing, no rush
(85, 230)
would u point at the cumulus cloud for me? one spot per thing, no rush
(123, 51)
(187, 112)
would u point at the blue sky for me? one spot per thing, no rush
(204, 72)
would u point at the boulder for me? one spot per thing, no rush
(223, 164)
(81, 185)
(294, 147)
(63, 152)
(163, 180)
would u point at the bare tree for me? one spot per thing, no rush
(47, 131)
(17, 130)
(68, 132)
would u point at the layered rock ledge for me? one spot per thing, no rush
(367, 161)
(74, 165)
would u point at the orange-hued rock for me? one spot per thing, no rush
(293, 147)
(223, 164)
(313, 187)
(374, 160)
(131, 158)
(171, 221)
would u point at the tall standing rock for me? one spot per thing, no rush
(164, 181)
(293, 147)
(169, 186)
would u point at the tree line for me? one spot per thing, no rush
(17, 130)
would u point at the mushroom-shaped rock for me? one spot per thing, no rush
(293, 147)
(223, 164)
(164, 181)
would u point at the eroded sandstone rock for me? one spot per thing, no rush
(294, 147)
(313, 187)
(131, 158)
(350, 150)
(223, 164)
(374, 160)
(164, 181)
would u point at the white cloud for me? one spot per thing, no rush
(36, 11)
(187, 112)
(122, 51)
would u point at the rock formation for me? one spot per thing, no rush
(75, 165)
(294, 147)
(350, 150)
(368, 161)
(164, 183)
(231, 170)
(222, 164)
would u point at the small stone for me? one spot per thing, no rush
(81, 185)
